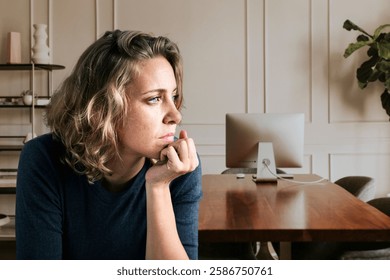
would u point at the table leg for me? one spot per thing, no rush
(285, 251)
(264, 252)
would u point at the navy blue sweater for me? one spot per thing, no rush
(59, 215)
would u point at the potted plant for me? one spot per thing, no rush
(377, 66)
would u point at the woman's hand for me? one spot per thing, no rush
(162, 239)
(176, 159)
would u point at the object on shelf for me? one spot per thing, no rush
(22, 101)
(12, 144)
(14, 52)
(42, 101)
(8, 173)
(27, 96)
(29, 136)
(8, 101)
(7, 181)
(4, 219)
(40, 49)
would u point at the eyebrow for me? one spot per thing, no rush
(157, 90)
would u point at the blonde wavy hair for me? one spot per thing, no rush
(90, 106)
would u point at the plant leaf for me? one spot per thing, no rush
(387, 82)
(364, 72)
(384, 66)
(362, 37)
(385, 100)
(374, 76)
(349, 25)
(382, 77)
(372, 51)
(362, 85)
(378, 31)
(355, 46)
(368, 71)
(384, 49)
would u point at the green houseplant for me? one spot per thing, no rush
(377, 66)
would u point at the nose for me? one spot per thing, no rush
(172, 114)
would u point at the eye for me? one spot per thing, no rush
(175, 98)
(154, 100)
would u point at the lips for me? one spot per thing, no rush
(169, 137)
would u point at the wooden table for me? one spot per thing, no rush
(239, 210)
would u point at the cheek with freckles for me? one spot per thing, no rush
(140, 139)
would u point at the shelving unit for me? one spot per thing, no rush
(29, 66)
(32, 68)
(7, 102)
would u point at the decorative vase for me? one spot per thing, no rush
(27, 99)
(40, 49)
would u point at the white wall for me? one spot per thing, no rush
(240, 56)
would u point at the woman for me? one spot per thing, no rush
(110, 181)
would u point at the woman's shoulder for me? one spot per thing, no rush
(41, 164)
(43, 142)
(42, 148)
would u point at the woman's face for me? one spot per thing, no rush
(152, 114)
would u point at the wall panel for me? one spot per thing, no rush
(255, 27)
(73, 31)
(211, 36)
(365, 164)
(239, 56)
(210, 142)
(104, 16)
(15, 17)
(287, 56)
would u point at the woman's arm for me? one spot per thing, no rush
(163, 241)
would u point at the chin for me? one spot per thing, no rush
(155, 156)
(154, 153)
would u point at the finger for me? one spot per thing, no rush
(168, 152)
(173, 163)
(181, 147)
(178, 157)
(163, 155)
(183, 134)
(187, 153)
(192, 155)
(183, 151)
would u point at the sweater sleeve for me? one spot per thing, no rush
(186, 195)
(38, 204)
